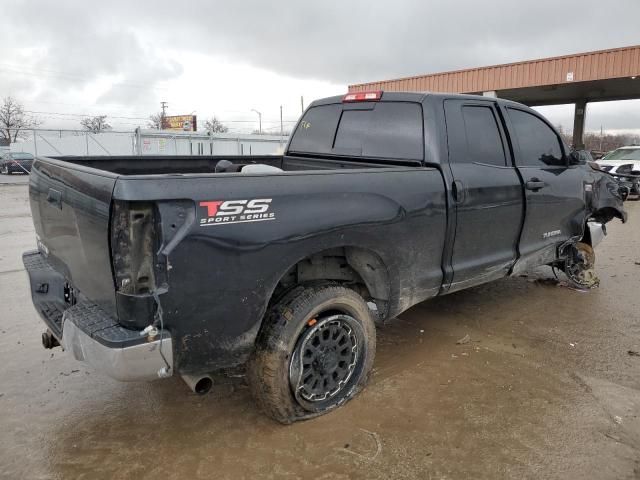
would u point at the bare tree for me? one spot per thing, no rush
(95, 124)
(214, 125)
(155, 121)
(13, 120)
(609, 141)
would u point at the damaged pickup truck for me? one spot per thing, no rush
(152, 266)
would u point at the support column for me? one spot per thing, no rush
(579, 117)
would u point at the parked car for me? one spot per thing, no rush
(148, 267)
(624, 163)
(623, 153)
(12, 162)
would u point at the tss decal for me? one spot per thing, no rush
(225, 212)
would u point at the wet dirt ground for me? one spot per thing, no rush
(547, 387)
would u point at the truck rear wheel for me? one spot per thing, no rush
(314, 353)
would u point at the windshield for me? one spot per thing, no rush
(22, 156)
(624, 154)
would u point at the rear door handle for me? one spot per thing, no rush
(535, 184)
(54, 197)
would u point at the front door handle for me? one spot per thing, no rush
(534, 184)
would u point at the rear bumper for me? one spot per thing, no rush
(140, 362)
(90, 334)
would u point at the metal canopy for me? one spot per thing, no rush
(594, 91)
(598, 76)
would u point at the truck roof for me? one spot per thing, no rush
(417, 97)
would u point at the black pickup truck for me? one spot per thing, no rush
(148, 267)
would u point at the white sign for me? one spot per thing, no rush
(569, 76)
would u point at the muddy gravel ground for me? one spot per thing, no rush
(548, 386)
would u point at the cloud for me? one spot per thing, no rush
(65, 47)
(125, 53)
(356, 41)
(332, 40)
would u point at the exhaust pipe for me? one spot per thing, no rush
(49, 341)
(199, 384)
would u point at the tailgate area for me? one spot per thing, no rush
(70, 206)
(56, 306)
(90, 333)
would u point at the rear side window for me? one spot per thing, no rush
(316, 130)
(379, 130)
(539, 144)
(484, 143)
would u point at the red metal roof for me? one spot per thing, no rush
(567, 69)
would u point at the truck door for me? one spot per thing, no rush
(554, 191)
(487, 190)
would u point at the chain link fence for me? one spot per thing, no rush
(58, 142)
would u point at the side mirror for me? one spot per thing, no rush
(576, 158)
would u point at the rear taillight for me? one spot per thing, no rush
(373, 96)
(133, 247)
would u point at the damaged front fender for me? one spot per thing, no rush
(606, 201)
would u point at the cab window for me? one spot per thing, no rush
(539, 144)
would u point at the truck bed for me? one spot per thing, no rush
(121, 230)
(157, 165)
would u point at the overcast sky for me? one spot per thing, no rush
(121, 58)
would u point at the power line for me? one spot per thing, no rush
(83, 115)
(53, 73)
(104, 106)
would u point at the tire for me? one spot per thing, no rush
(4, 170)
(324, 334)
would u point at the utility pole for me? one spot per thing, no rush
(164, 106)
(301, 104)
(259, 120)
(281, 127)
(600, 138)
